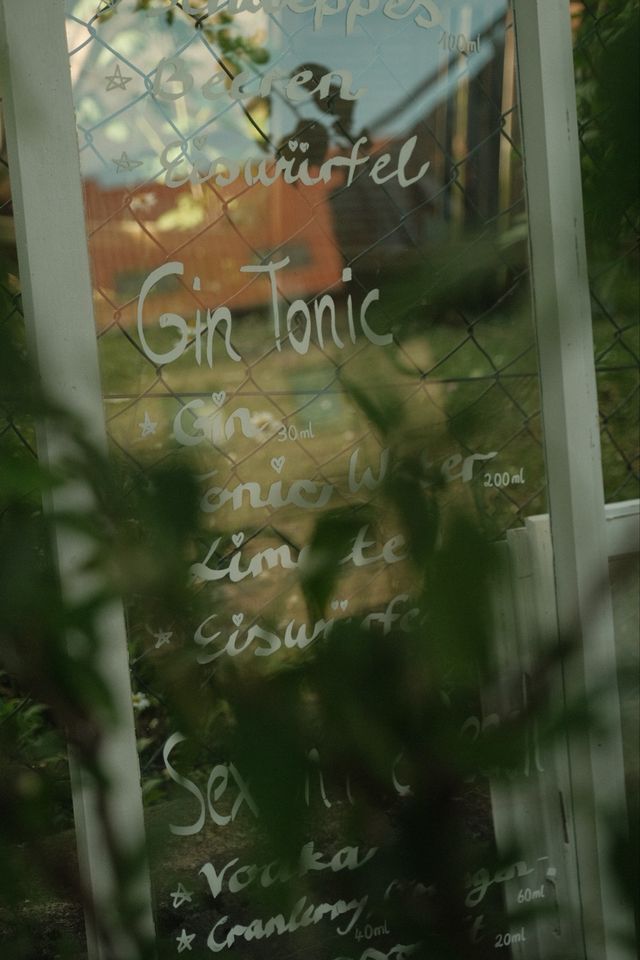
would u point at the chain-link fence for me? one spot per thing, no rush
(16, 435)
(256, 409)
(268, 416)
(607, 81)
(476, 360)
(16, 432)
(464, 348)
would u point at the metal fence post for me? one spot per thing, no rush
(56, 285)
(572, 445)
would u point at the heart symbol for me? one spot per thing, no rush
(219, 398)
(278, 463)
(304, 147)
(199, 142)
(293, 144)
(238, 539)
(238, 618)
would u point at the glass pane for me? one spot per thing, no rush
(309, 255)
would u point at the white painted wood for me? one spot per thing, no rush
(56, 285)
(572, 440)
(565, 929)
(536, 813)
(623, 528)
(528, 814)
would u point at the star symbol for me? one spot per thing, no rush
(148, 426)
(180, 896)
(184, 941)
(117, 81)
(161, 637)
(124, 163)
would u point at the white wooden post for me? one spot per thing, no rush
(56, 285)
(572, 444)
(529, 813)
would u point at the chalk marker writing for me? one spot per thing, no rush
(180, 167)
(363, 553)
(425, 13)
(174, 80)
